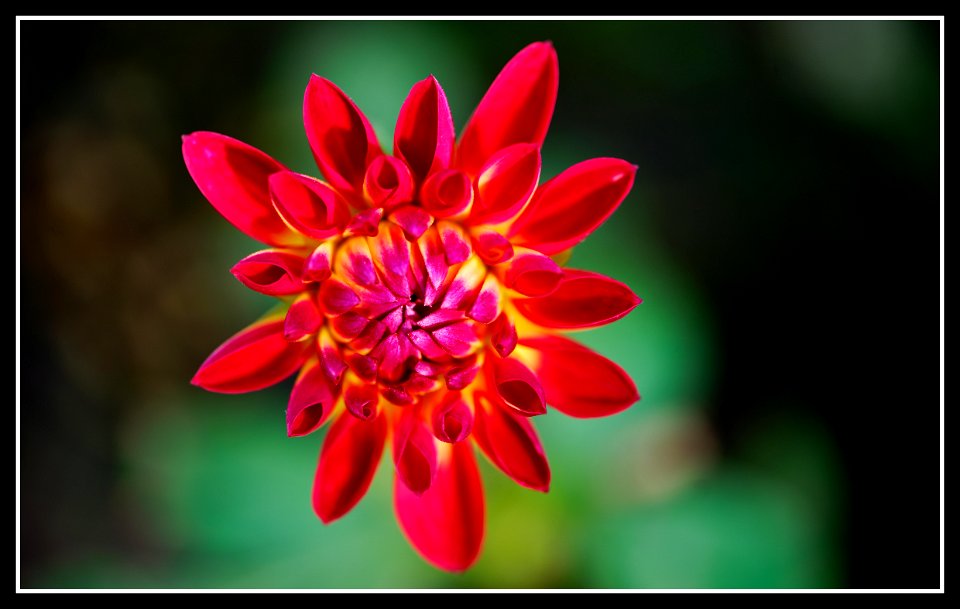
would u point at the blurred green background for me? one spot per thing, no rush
(781, 232)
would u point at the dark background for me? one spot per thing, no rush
(789, 173)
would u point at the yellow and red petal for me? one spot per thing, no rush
(311, 401)
(234, 177)
(340, 136)
(362, 400)
(348, 460)
(388, 182)
(452, 418)
(491, 246)
(518, 386)
(256, 357)
(308, 205)
(565, 210)
(447, 193)
(503, 335)
(319, 262)
(578, 381)
(424, 135)
(517, 107)
(582, 300)
(456, 243)
(303, 318)
(414, 453)
(446, 523)
(530, 272)
(489, 301)
(271, 272)
(506, 183)
(511, 443)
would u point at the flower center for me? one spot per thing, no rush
(401, 307)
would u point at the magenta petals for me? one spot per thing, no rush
(565, 210)
(582, 300)
(234, 177)
(517, 107)
(580, 382)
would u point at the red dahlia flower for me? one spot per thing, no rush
(421, 299)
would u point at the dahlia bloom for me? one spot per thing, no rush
(421, 300)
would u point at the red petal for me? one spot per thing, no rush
(308, 205)
(361, 400)
(303, 319)
(271, 272)
(446, 193)
(370, 336)
(413, 220)
(460, 376)
(565, 210)
(311, 400)
(580, 382)
(348, 326)
(342, 140)
(388, 182)
(396, 394)
(519, 387)
(503, 335)
(424, 135)
(452, 419)
(517, 107)
(337, 297)
(511, 443)
(349, 458)
(331, 362)
(491, 246)
(256, 357)
(414, 453)
(505, 184)
(366, 223)
(581, 300)
(363, 366)
(233, 176)
(531, 273)
(445, 524)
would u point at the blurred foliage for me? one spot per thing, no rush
(132, 478)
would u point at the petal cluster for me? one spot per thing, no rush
(421, 302)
